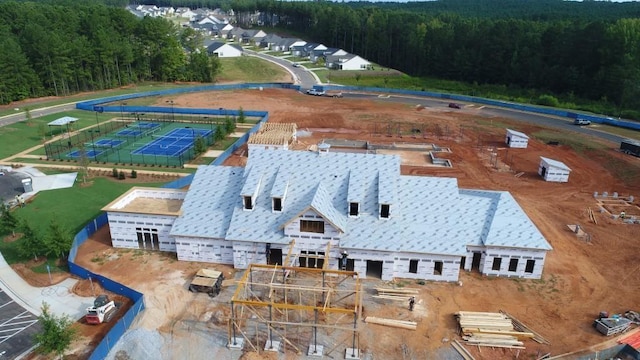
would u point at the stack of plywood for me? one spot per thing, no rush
(395, 294)
(490, 329)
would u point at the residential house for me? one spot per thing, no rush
(224, 50)
(346, 62)
(270, 41)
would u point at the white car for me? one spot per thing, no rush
(296, 65)
(316, 92)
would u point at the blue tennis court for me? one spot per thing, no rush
(109, 143)
(129, 132)
(174, 143)
(147, 125)
(88, 153)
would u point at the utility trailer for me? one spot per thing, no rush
(207, 281)
(630, 146)
(613, 325)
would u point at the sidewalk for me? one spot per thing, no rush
(59, 296)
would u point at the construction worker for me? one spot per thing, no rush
(21, 200)
(343, 261)
(622, 215)
(412, 302)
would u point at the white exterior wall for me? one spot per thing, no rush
(554, 174)
(123, 229)
(293, 228)
(355, 63)
(426, 266)
(360, 262)
(468, 263)
(516, 141)
(245, 253)
(316, 245)
(507, 254)
(284, 146)
(204, 250)
(227, 51)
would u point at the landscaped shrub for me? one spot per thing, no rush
(134, 174)
(121, 175)
(115, 172)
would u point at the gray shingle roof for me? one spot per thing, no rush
(428, 214)
(209, 204)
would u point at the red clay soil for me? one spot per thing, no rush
(580, 278)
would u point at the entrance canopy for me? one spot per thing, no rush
(63, 121)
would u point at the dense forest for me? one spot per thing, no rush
(552, 46)
(53, 48)
(587, 50)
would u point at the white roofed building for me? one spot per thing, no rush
(307, 208)
(516, 139)
(553, 170)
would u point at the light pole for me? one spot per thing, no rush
(173, 117)
(122, 104)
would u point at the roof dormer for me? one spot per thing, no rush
(250, 189)
(355, 193)
(279, 190)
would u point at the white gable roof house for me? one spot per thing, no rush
(553, 170)
(347, 62)
(516, 139)
(224, 50)
(311, 207)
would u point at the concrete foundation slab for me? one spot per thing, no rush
(315, 350)
(236, 343)
(272, 345)
(352, 354)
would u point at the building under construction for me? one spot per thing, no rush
(305, 310)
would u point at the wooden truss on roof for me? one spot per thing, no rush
(274, 134)
(296, 308)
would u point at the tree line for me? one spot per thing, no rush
(60, 48)
(589, 50)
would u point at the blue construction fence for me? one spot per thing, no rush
(490, 102)
(121, 326)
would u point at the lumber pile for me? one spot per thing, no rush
(403, 324)
(395, 294)
(490, 329)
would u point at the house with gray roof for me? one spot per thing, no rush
(346, 210)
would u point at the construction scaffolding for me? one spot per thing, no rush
(295, 307)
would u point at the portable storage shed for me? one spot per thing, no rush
(553, 170)
(630, 146)
(516, 139)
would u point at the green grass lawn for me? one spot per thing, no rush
(148, 86)
(249, 69)
(72, 208)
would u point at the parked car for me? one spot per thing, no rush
(581, 122)
(296, 65)
(454, 106)
(316, 92)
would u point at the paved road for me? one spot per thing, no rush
(11, 119)
(306, 79)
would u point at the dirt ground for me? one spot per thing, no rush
(580, 278)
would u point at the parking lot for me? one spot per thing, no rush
(17, 328)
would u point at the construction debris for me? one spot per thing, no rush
(403, 324)
(466, 355)
(592, 216)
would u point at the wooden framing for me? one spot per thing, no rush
(274, 134)
(292, 305)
